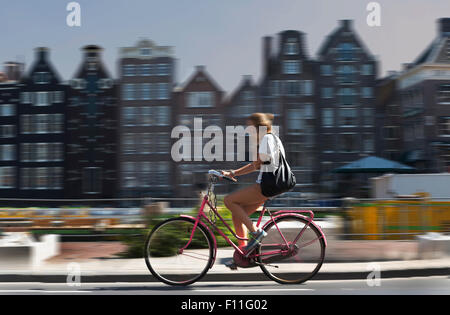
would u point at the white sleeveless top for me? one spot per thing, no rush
(268, 151)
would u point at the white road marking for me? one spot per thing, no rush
(253, 290)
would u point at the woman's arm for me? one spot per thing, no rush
(249, 168)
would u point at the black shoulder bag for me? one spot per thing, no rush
(279, 181)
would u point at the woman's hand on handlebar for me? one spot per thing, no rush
(229, 175)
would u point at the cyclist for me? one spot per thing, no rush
(244, 202)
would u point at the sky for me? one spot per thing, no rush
(225, 36)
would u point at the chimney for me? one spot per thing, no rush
(346, 24)
(444, 26)
(13, 70)
(42, 53)
(267, 53)
(199, 68)
(247, 79)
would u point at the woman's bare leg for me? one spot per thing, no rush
(241, 203)
(240, 228)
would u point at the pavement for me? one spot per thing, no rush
(100, 264)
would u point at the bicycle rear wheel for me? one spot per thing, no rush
(296, 262)
(168, 262)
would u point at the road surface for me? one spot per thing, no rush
(413, 286)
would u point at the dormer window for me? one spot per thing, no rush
(42, 78)
(291, 47)
(146, 52)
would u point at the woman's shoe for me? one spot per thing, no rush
(255, 241)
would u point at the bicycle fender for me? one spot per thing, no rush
(210, 233)
(300, 216)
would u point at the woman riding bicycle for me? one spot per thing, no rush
(244, 202)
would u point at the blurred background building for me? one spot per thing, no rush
(147, 78)
(92, 130)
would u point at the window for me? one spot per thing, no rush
(347, 96)
(162, 115)
(129, 174)
(163, 69)
(347, 74)
(308, 111)
(129, 116)
(7, 177)
(146, 51)
(200, 99)
(274, 88)
(92, 180)
(42, 78)
(367, 92)
(163, 91)
(368, 143)
(25, 97)
(327, 117)
(444, 126)
(292, 87)
(346, 52)
(162, 142)
(367, 69)
(129, 92)
(146, 70)
(295, 121)
(146, 91)
(443, 94)
(129, 70)
(129, 144)
(146, 143)
(291, 47)
(246, 104)
(326, 70)
(348, 117)
(368, 117)
(308, 87)
(327, 92)
(42, 99)
(7, 152)
(291, 67)
(58, 96)
(349, 142)
(7, 110)
(7, 131)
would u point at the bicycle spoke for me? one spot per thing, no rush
(177, 253)
(300, 250)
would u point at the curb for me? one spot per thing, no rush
(223, 277)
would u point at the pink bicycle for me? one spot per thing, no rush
(181, 250)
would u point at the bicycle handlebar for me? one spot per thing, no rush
(220, 175)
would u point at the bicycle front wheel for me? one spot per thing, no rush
(167, 256)
(293, 250)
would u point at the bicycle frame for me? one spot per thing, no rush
(201, 215)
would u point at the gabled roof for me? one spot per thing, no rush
(434, 52)
(344, 26)
(41, 64)
(200, 71)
